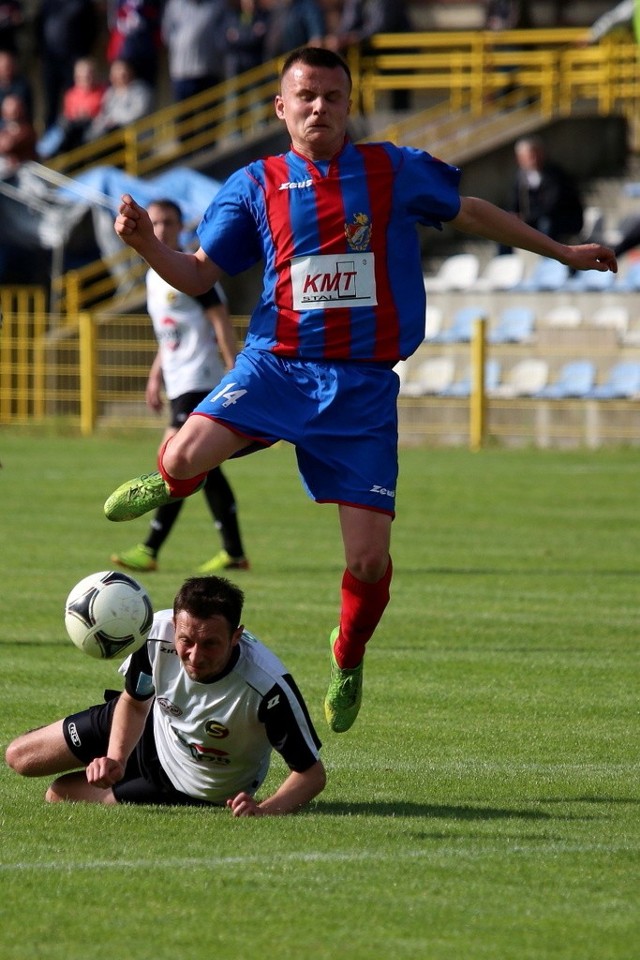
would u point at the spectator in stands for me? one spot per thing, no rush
(126, 99)
(193, 32)
(246, 29)
(293, 24)
(11, 22)
(65, 30)
(361, 20)
(17, 135)
(502, 15)
(134, 35)
(12, 81)
(81, 105)
(544, 195)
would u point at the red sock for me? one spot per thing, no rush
(362, 607)
(178, 488)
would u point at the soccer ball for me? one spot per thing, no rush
(108, 614)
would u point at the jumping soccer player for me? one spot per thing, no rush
(343, 301)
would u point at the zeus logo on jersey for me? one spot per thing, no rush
(331, 281)
(291, 185)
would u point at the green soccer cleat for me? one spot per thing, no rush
(344, 696)
(138, 496)
(137, 558)
(223, 561)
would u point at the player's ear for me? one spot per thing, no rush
(278, 104)
(235, 638)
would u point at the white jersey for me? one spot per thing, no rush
(189, 352)
(215, 739)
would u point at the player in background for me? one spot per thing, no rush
(193, 333)
(204, 705)
(343, 301)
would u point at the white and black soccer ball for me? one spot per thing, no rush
(108, 615)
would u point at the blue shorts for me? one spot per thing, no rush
(341, 418)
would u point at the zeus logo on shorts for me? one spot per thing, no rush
(330, 281)
(376, 488)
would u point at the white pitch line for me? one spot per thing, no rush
(305, 857)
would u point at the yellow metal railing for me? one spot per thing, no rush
(471, 69)
(22, 357)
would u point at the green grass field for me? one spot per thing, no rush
(484, 807)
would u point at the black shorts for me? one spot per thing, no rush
(87, 736)
(182, 406)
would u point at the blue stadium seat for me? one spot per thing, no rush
(547, 274)
(591, 280)
(576, 379)
(630, 279)
(462, 388)
(461, 327)
(515, 325)
(623, 381)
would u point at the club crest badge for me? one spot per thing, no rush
(358, 232)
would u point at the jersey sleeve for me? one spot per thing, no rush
(138, 677)
(429, 187)
(228, 232)
(288, 725)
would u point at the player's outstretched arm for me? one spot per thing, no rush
(293, 793)
(192, 273)
(484, 219)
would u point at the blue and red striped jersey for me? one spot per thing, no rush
(342, 263)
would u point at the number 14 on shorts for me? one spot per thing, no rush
(231, 396)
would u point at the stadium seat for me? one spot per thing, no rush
(458, 272)
(591, 280)
(614, 315)
(433, 376)
(461, 327)
(462, 388)
(432, 321)
(515, 325)
(524, 379)
(547, 274)
(629, 281)
(576, 379)
(563, 315)
(501, 273)
(623, 381)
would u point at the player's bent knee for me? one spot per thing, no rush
(19, 759)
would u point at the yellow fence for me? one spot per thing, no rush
(92, 374)
(92, 371)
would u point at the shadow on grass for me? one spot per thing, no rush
(519, 572)
(378, 808)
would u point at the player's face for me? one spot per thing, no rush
(166, 224)
(314, 103)
(204, 646)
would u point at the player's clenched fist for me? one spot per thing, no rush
(132, 223)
